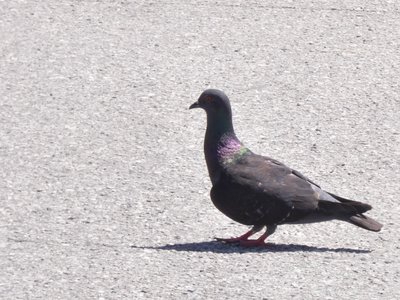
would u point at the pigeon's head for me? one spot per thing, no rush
(213, 102)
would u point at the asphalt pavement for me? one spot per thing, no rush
(104, 191)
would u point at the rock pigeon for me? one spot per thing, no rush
(260, 191)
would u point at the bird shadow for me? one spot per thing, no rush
(218, 247)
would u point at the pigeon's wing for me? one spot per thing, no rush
(294, 172)
(318, 192)
(276, 179)
(256, 188)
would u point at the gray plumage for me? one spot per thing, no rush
(260, 191)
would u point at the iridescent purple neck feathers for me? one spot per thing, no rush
(229, 149)
(220, 151)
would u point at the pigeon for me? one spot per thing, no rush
(260, 191)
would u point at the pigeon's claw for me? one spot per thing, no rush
(255, 243)
(242, 238)
(244, 241)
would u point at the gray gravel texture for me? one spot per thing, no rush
(103, 183)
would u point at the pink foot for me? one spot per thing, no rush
(245, 242)
(240, 239)
(253, 243)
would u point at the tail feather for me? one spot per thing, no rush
(347, 207)
(366, 222)
(351, 211)
(356, 204)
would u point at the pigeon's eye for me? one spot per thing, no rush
(208, 99)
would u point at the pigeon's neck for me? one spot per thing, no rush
(229, 148)
(221, 146)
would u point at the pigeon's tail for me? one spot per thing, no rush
(344, 208)
(350, 211)
(358, 206)
(366, 222)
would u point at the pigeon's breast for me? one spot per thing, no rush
(247, 206)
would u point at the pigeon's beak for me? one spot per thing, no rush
(195, 105)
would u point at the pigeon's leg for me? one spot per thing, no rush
(261, 240)
(242, 238)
